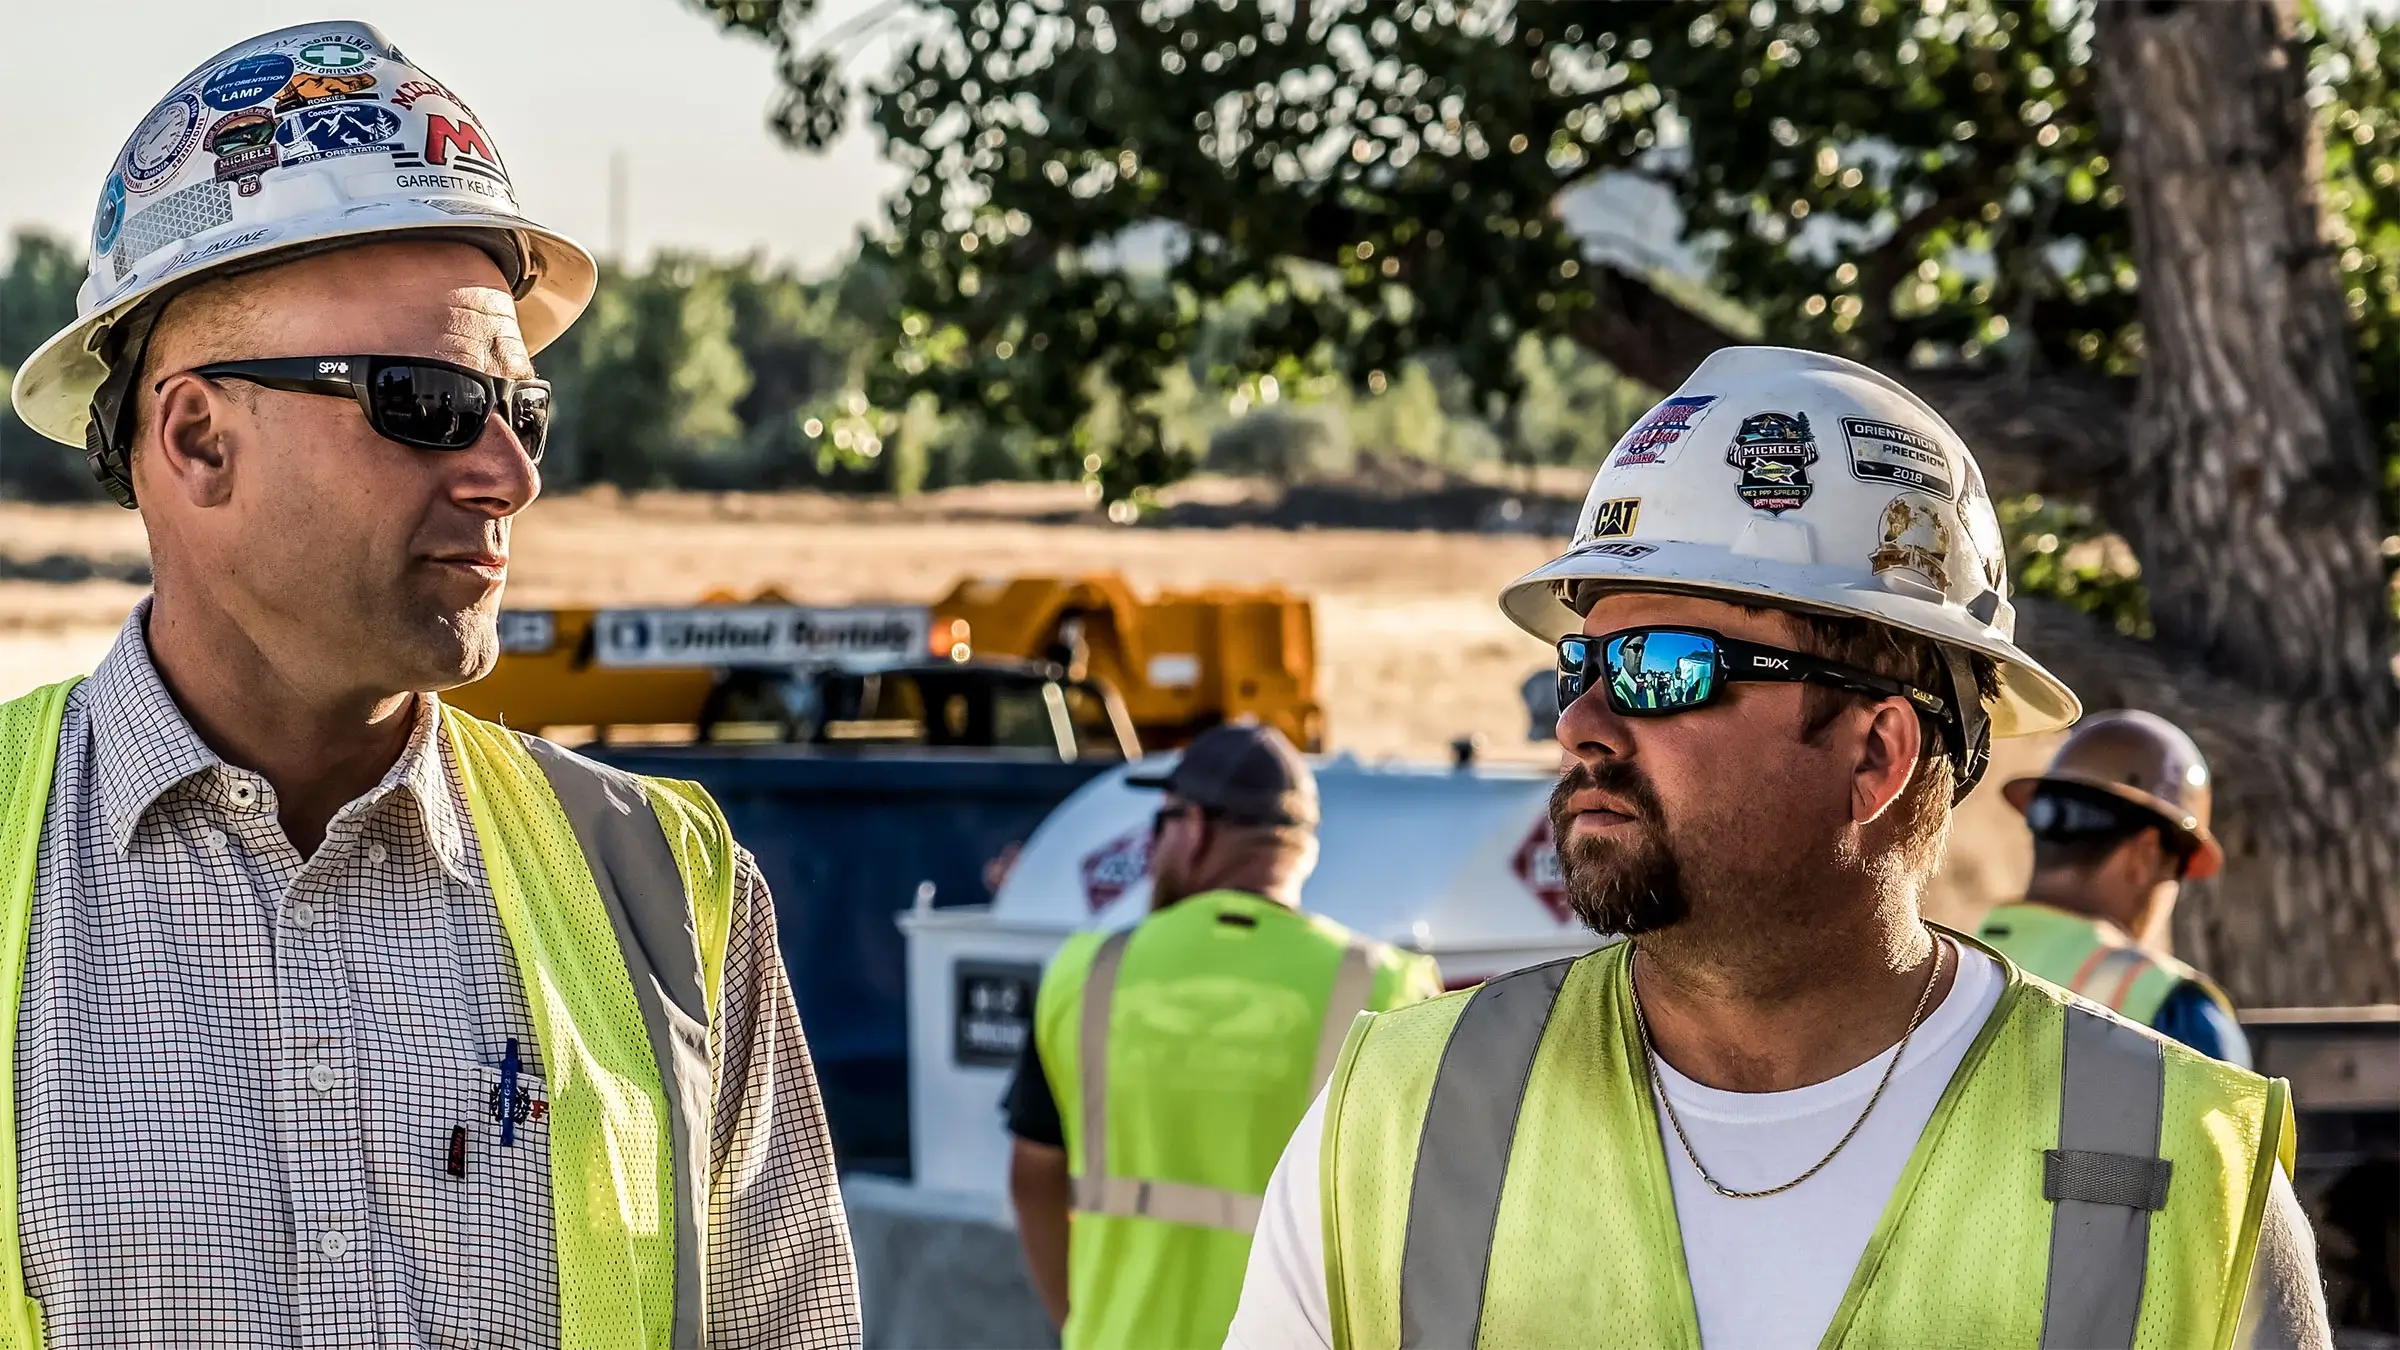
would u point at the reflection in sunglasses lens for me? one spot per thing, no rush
(1661, 669)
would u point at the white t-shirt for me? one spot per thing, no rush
(1766, 1273)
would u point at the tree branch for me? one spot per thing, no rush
(2062, 434)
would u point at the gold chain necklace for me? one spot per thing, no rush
(1650, 1058)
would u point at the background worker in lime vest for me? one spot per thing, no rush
(1786, 1112)
(2119, 821)
(326, 1033)
(1170, 1062)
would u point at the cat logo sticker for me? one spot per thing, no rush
(1613, 519)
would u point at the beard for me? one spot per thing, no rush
(1612, 885)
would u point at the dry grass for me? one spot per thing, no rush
(1412, 650)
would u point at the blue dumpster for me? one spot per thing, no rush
(845, 842)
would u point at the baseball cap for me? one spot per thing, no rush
(1249, 774)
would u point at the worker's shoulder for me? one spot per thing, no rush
(2181, 1059)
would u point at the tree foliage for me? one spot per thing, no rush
(1920, 185)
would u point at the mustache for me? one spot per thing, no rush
(1617, 778)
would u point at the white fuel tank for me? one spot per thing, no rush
(1454, 863)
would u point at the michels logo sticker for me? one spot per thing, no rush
(1613, 519)
(1883, 453)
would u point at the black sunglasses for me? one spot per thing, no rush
(415, 400)
(1657, 672)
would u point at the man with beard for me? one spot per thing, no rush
(1170, 1061)
(335, 1017)
(1785, 1111)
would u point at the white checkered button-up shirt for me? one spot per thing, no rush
(240, 1072)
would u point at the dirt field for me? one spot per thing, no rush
(1413, 652)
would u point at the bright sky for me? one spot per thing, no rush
(562, 85)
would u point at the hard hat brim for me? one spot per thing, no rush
(53, 389)
(2208, 856)
(2032, 700)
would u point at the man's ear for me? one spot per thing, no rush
(1887, 759)
(188, 449)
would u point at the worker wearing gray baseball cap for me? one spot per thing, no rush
(1170, 1061)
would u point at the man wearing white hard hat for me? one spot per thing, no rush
(2119, 820)
(334, 1017)
(1785, 1111)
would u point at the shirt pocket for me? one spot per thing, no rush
(497, 1256)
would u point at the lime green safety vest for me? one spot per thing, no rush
(1492, 1175)
(620, 935)
(2093, 958)
(1182, 1053)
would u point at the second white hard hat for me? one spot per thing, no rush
(1803, 481)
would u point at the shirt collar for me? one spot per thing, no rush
(144, 747)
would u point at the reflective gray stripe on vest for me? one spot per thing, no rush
(2104, 1179)
(642, 888)
(1095, 1191)
(1462, 1155)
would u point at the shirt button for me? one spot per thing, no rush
(214, 838)
(377, 854)
(322, 1078)
(304, 914)
(244, 793)
(335, 1245)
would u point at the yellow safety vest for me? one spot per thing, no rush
(1487, 1152)
(1182, 1053)
(2093, 958)
(620, 936)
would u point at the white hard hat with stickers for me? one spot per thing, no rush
(1803, 481)
(298, 140)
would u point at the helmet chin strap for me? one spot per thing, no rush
(1968, 736)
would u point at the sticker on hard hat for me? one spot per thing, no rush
(244, 144)
(1653, 439)
(164, 140)
(337, 129)
(304, 90)
(455, 144)
(1773, 450)
(1614, 548)
(757, 635)
(1915, 540)
(250, 80)
(110, 217)
(1614, 518)
(336, 54)
(1883, 453)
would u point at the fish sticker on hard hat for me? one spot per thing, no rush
(304, 89)
(1653, 439)
(1773, 450)
(1915, 539)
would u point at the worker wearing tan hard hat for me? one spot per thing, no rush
(2120, 821)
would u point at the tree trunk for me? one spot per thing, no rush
(2249, 490)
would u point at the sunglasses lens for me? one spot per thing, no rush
(529, 417)
(1661, 670)
(430, 407)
